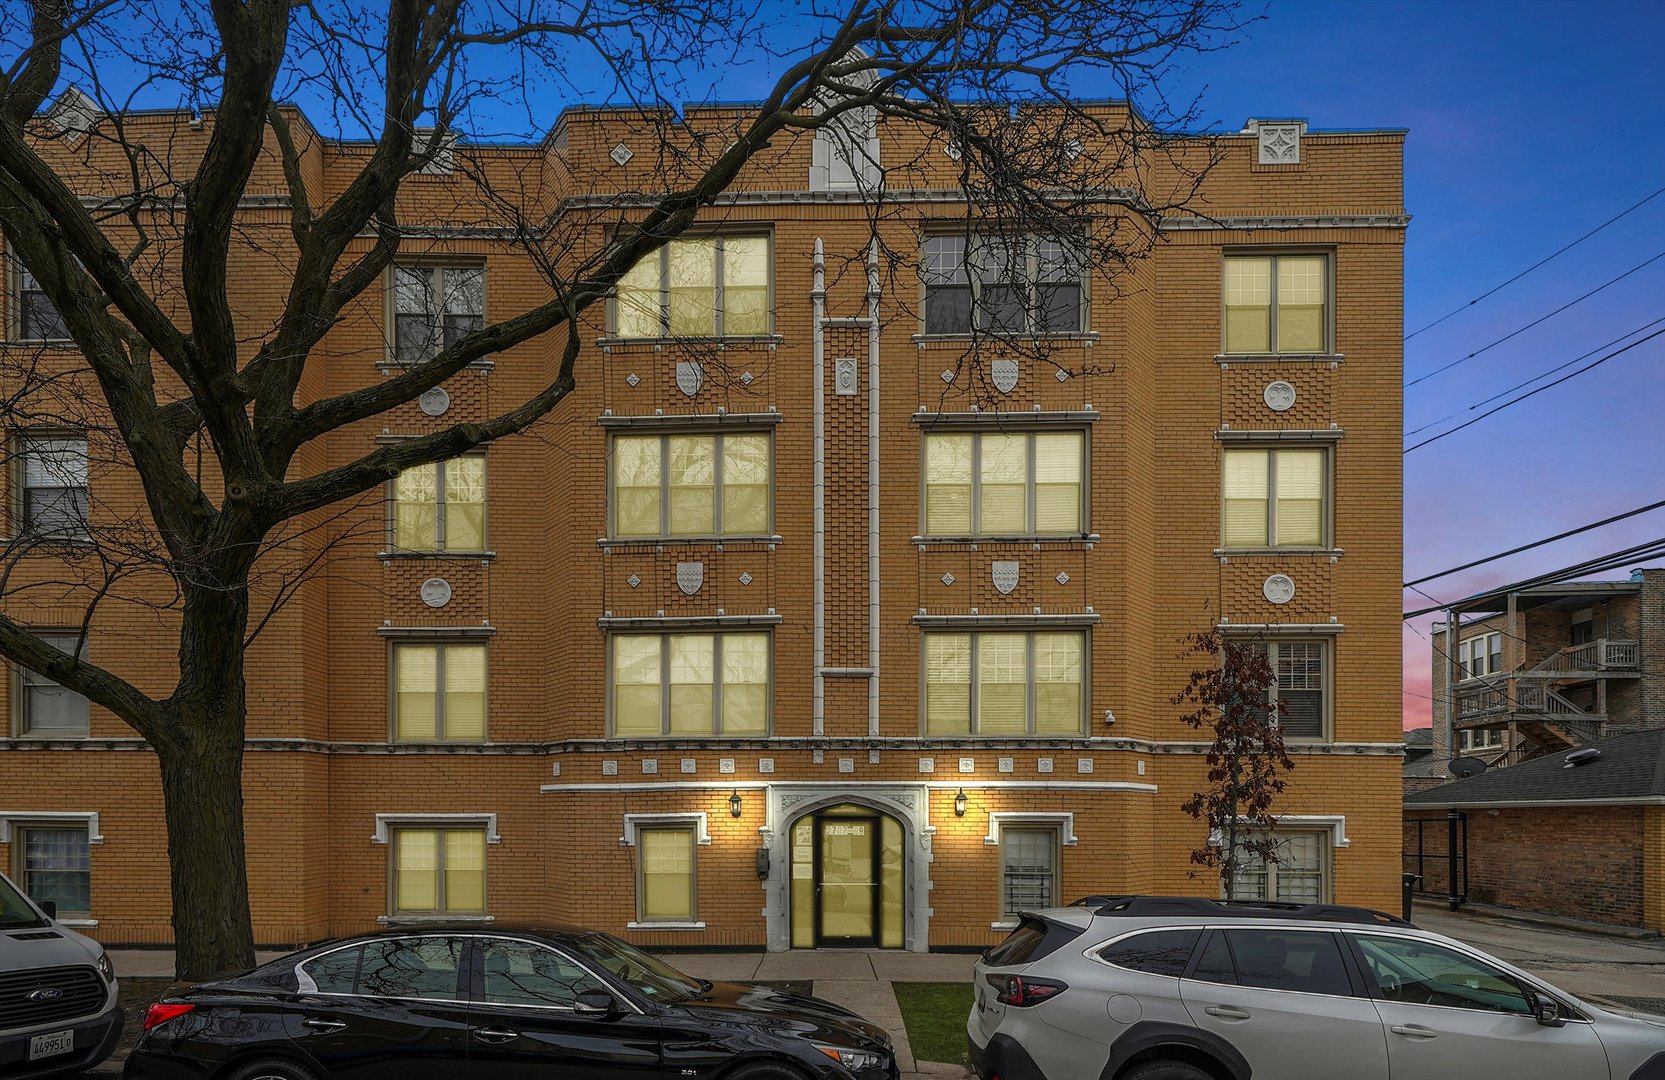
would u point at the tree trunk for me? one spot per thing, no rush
(202, 786)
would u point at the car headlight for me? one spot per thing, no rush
(854, 1060)
(105, 968)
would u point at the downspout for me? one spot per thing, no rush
(873, 488)
(818, 647)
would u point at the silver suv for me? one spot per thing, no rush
(1180, 988)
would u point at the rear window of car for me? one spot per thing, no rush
(1033, 939)
(1160, 952)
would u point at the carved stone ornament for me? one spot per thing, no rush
(434, 401)
(1005, 574)
(689, 377)
(1280, 144)
(621, 154)
(689, 577)
(1004, 375)
(1279, 396)
(1279, 589)
(845, 382)
(436, 592)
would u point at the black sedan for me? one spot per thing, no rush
(441, 1003)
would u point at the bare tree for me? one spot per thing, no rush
(136, 238)
(1245, 759)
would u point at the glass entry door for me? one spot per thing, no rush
(846, 882)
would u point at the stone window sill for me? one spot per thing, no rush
(1085, 337)
(1275, 358)
(450, 556)
(609, 543)
(658, 343)
(1309, 552)
(668, 926)
(416, 920)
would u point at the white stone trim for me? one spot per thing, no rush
(1065, 821)
(1009, 924)
(633, 822)
(665, 926)
(11, 818)
(386, 823)
(1335, 823)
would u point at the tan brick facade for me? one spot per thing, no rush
(1147, 385)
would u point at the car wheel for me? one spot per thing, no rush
(764, 1070)
(271, 1069)
(1166, 1070)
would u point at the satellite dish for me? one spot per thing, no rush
(1464, 767)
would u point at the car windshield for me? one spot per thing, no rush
(647, 974)
(14, 910)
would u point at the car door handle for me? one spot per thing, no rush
(495, 1035)
(319, 1023)
(1414, 1031)
(1227, 1012)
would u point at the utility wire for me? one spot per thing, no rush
(1533, 544)
(1535, 378)
(1537, 264)
(1609, 561)
(1535, 322)
(1538, 390)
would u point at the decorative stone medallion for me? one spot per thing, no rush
(948, 375)
(434, 401)
(632, 581)
(632, 379)
(689, 577)
(766, 765)
(1063, 577)
(689, 377)
(1279, 589)
(1005, 575)
(1004, 375)
(846, 765)
(1280, 144)
(436, 592)
(745, 577)
(621, 154)
(725, 765)
(844, 377)
(1279, 396)
(947, 578)
(1043, 765)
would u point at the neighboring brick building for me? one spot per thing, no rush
(1550, 668)
(1581, 841)
(713, 659)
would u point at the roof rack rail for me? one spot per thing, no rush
(1266, 909)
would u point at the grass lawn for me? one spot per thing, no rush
(934, 1014)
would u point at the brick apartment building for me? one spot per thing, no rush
(1549, 668)
(783, 633)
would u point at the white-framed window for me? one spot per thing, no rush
(1480, 655)
(1472, 739)
(435, 307)
(44, 709)
(685, 485)
(1005, 682)
(54, 863)
(666, 889)
(36, 318)
(989, 483)
(1276, 303)
(697, 287)
(52, 500)
(1299, 874)
(441, 506)
(439, 691)
(1006, 285)
(1301, 683)
(691, 684)
(1029, 869)
(1275, 497)
(437, 871)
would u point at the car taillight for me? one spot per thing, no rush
(163, 1011)
(1016, 990)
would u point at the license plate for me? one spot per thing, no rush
(57, 1042)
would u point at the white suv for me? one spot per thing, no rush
(1180, 988)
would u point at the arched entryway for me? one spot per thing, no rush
(848, 879)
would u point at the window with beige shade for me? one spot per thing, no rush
(439, 692)
(701, 287)
(1276, 498)
(439, 871)
(441, 506)
(717, 485)
(1004, 483)
(665, 889)
(690, 684)
(1276, 304)
(1000, 682)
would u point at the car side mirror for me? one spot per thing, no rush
(50, 907)
(595, 1003)
(1547, 1011)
